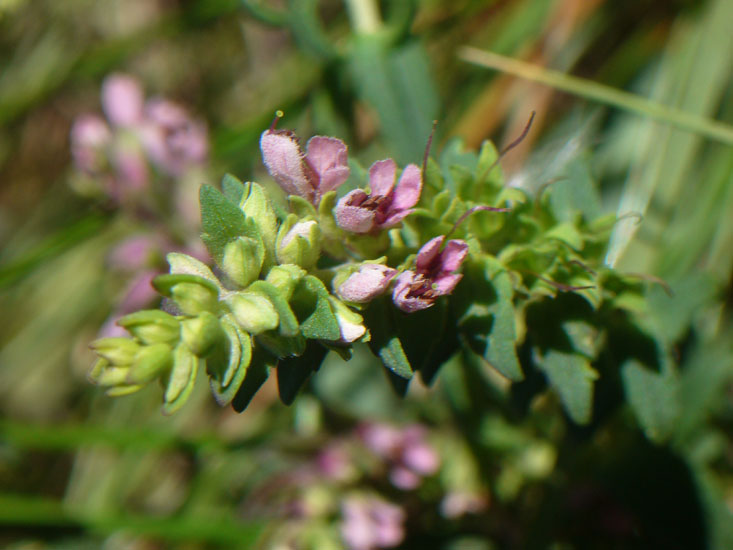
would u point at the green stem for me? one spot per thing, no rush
(364, 16)
(29, 510)
(603, 94)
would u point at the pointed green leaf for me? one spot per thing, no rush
(288, 321)
(181, 380)
(311, 307)
(257, 373)
(233, 188)
(572, 377)
(221, 221)
(293, 372)
(384, 342)
(653, 396)
(240, 354)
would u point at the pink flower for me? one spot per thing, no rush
(406, 450)
(366, 284)
(386, 205)
(172, 139)
(122, 100)
(370, 523)
(434, 275)
(323, 168)
(90, 137)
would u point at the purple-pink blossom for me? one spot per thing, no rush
(434, 275)
(370, 523)
(366, 284)
(122, 100)
(136, 132)
(172, 139)
(322, 168)
(409, 456)
(386, 204)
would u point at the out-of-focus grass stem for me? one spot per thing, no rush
(364, 16)
(598, 92)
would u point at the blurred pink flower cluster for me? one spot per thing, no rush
(406, 451)
(138, 143)
(137, 135)
(370, 523)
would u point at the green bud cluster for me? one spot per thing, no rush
(265, 298)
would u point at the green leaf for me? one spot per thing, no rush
(567, 233)
(576, 194)
(397, 83)
(259, 369)
(282, 346)
(572, 377)
(165, 283)
(239, 356)
(384, 342)
(233, 188)
(653, 397)
(670, 316)
(301, 207)
(221, 220)
(584, 338)
(181, 380)
(288, 322)
(454, 155)
(311, 307)
(293, 372)
(501, 352)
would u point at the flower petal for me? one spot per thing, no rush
(445, 284)
(381, 177)
(402, 289)
(122, 99)
(328, 158)
(453, 254)
(407, 192)
(428, 253)
(367, 283)
(352, 217)
(284, 160)
(395, 218)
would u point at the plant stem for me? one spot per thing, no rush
(364, 16)
(603, 94)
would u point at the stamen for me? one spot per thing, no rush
(512, 145)
(278, 115)
(480, 208)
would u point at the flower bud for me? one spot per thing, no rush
(149, 363)
(118, 351)
(192, 294)
(194, 298)
(151, 326)
(242, 260)
(104, 374)
(253, 311)
(201, 333)
(119, 391)
(366, 284)
(350, 323)
(183, 264)
(285, 278)
(180, 380)
(299, 242)
(256, 205)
